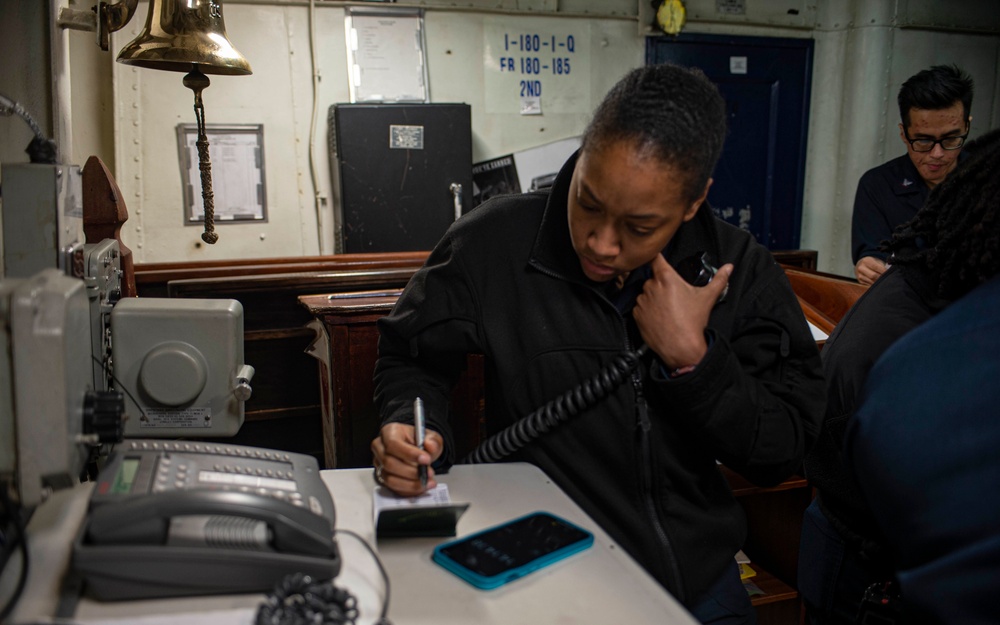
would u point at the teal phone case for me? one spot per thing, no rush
(497, 555)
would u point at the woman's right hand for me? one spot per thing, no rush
(396, 458)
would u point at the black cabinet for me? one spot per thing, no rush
(404, 170)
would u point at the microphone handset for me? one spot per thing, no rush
(697, 269)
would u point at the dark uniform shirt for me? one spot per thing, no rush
(925, 439)
(901, 300)
(888, 195)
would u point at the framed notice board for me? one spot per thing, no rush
(385, 55)
(237, 155)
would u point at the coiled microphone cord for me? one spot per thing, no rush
(561, 409)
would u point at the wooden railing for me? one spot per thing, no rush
(824, 298)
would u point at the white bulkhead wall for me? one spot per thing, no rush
(864, 51)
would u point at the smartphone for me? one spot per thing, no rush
(500, 554)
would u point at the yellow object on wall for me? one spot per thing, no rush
(671, 15)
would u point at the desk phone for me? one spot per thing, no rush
(176, 518)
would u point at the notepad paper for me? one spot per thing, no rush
(430, 514)
(817, 334)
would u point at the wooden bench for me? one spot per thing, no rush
(824, 298)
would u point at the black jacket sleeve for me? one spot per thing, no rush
(428, 365)
(758, 397)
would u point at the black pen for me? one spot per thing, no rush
(420, 429)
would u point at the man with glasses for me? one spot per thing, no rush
(934, 108)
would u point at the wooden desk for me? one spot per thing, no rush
(350, 421)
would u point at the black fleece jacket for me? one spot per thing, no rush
(900, 300)
(505, 282)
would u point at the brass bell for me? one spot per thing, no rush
(180, 34)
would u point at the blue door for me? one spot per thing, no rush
(766, 81)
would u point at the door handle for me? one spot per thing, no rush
(456, 195)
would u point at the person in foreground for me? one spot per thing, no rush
(934, 111)
(924, 447)
(949, 248)
(552, 286)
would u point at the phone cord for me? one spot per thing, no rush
(561, 409)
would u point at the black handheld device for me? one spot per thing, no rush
(503, 553)
(698, 270)
(881, 605)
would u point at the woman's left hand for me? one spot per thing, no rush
(672, 314)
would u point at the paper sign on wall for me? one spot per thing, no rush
(536, 69)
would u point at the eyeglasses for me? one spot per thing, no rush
(926, 145)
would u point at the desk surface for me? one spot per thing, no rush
(599, 585)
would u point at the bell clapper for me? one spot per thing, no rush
(197, 82)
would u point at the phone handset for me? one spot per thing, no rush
(698, 269)
(205, 518)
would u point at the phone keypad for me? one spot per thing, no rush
(143, 467)
(208, 448)
(233, 468)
